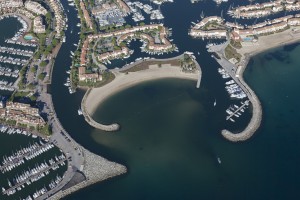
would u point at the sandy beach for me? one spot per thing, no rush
(267, 42)
(122, 81)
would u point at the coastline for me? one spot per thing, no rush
(84, 167)
(248, 50)
(95, 169)
(268, 42)
(92, 99)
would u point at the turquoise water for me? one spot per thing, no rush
(28, 37)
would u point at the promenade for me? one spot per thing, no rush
(93, 168)
(236, 74)
(94, 97)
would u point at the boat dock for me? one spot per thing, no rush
(33, 175)
(235, 112)
(28, 153)
(236, 73)
(16, 51)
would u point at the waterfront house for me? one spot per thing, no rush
(38, 26)
(35, 7)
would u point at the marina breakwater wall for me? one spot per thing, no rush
(95, 169)
(237, 76)
(255, 121)
(93, 123)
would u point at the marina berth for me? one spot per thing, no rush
(32, 175)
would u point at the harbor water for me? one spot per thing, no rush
(170, 131)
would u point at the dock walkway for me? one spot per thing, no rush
(236, 74)
(237, 110)
(9, 190)
(23, 156)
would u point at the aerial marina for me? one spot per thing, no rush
(22, 157)
(109, 47)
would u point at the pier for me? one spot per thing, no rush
(237, 75)
(27, 153)
(33, 176)
(237, 110)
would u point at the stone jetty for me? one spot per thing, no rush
(95, 169)
(93, 123)
(237, 75)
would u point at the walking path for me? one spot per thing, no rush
(93, 167)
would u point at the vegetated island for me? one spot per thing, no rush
(183, 66)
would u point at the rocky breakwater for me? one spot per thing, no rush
(237, 75)
(95, 169)
(93, 123)
(255, 121)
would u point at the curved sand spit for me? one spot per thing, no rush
(94, 97)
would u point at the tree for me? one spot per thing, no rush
(41, 76)
(44, 63)
(33, 69)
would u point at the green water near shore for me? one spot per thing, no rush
(171, 146)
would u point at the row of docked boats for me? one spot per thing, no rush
(34, 174)
(44, 190)
(27, 153)
(69, 85)
(11, 60)
(11, 131)
(236, 111)
(8, 72)
(223, 73)
(7, 88)
(16, 51)
(10, 41)
(233, 89)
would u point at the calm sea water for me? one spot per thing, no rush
(170, 137)
(170, 145)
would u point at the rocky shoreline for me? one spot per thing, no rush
(237, 75)
(95, 169)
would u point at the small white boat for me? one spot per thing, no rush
(215, 103)
(219, 160)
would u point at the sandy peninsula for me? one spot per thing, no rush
(94, 97)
